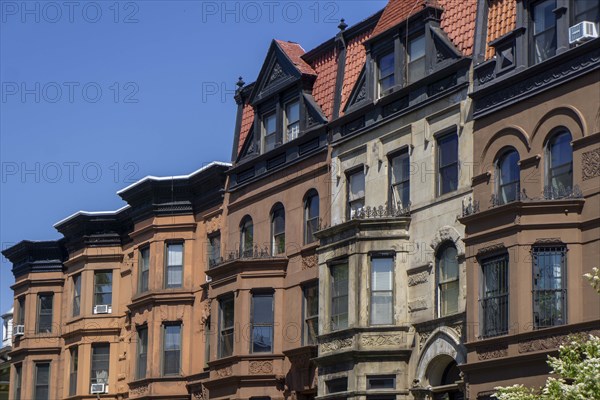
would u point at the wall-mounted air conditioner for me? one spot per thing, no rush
(19, 330)
(98, 388)
(582, 32)
(102, 309)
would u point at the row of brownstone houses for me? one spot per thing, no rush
(408, 214)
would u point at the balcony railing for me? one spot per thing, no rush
(256, 253)
(549, 193)
(381, 212)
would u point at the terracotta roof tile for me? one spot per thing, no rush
(324, 87)
(397, 11)
(355, 60)
(295, 52)
(458, 19)
(502, 17)
(247, 121)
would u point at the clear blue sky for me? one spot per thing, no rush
(96, 95)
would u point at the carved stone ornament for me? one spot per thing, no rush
(382, 340)
(418, 278)
(423, 336)
(201, 394)
(458, 328)
(417, 305)
(213, 224)
(590, 164)
(224, 372)
(497, 247)
(336, 344)
(490, 352)
(260, 367)
(309, 261)
(276, 74)
(550, 342)
(140, 390)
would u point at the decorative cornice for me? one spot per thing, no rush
(503, 92)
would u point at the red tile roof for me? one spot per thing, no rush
(324, 87)
(247, 121)
(355, 61)
(502, 17)
(458, 19)
(295, 52)
(397, 11)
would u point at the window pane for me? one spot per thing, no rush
(142, 358)
(227, 311)
(381, 273)
(263, 309)
(172, 349)
(175, 254)
(262, 323)
(449, 298)
(448, 150)
(42, 381)
(262, 339)
(381, 308)
(270, 124)
(509, 168)
(73, 371)
(449, 179)
(448, 264)
(103, 288)
(544, 30)
(494, 301)
(357, 186)
(416, 59)
(45, 313)
(76, 295)
(386, 65)
(543, 16)
(416, 48)
(548, 285)
(100, 363)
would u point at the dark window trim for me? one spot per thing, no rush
(141, 250)
(305, 317)
(76, 311)
(103, 271)
(277, 207)
(443, 134)
(310, 194)
(164, 326)
(39, 311)
(562, 250)
(504, 292)
(37, 364)
(225, 329)
(167, 266)
(348, 173)
(262, 293)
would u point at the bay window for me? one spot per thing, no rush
(339, 296)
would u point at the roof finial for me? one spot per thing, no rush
(240, 83)
(343, 25)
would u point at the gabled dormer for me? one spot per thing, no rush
(409, 45)
(282, 99)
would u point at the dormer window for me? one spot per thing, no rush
(279, 123)
(416, 58)
(269, 132)
(386, 73)
(544, 30)
(586, 10)
(292, 120)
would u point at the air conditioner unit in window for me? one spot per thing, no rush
(582, 32)
(19, 330)
(102, 309)
(98, 388)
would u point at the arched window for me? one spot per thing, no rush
(246, 236)
(447, 280)
(559, 173)
(311, 216)
(507, 174)
(278, 229)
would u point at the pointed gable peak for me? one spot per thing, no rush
(294, 52)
